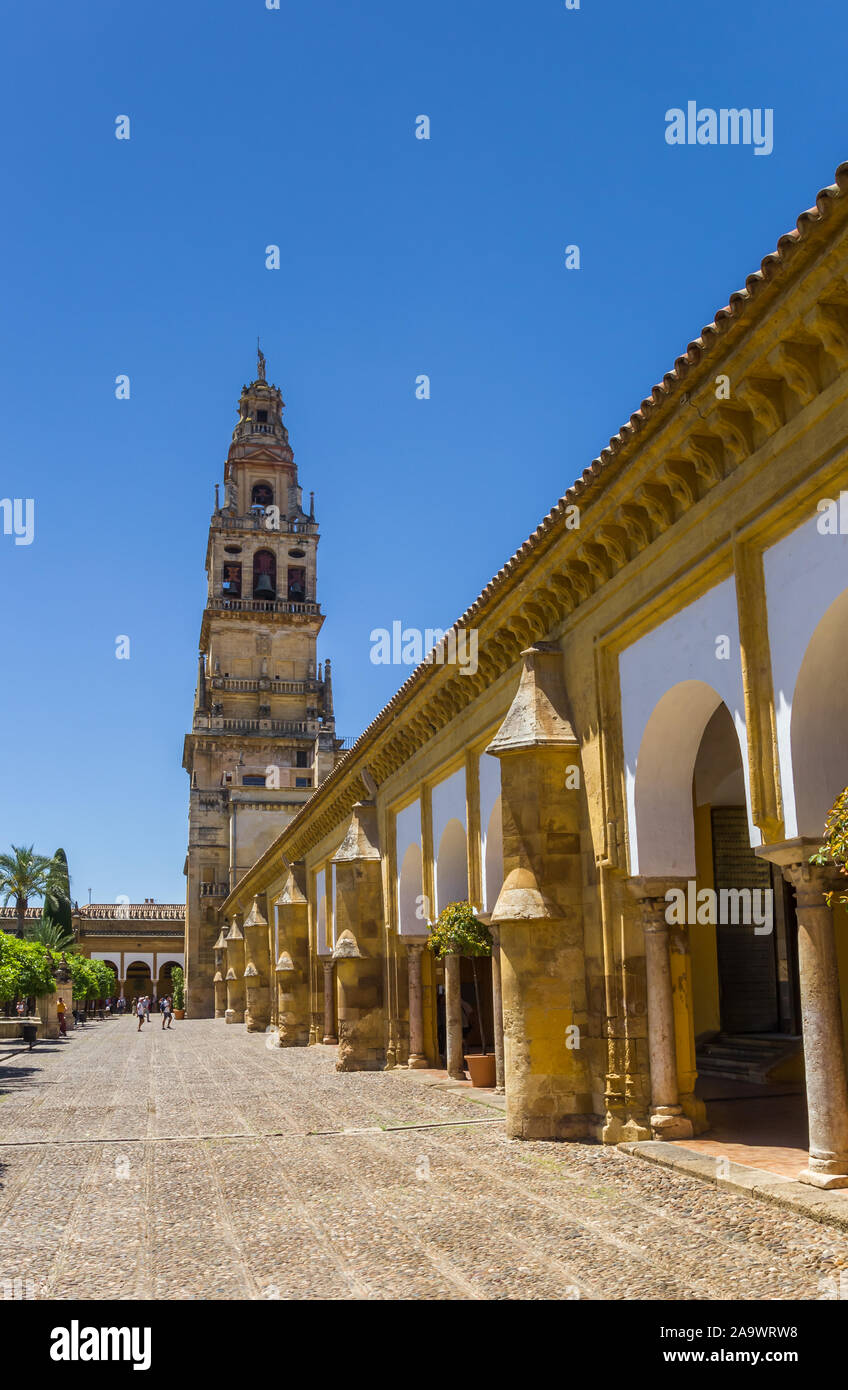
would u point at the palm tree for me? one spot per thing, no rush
(52, 934)
(23, 874)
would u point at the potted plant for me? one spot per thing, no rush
(460, 932)
(178, 982)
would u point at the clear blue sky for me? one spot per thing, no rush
(399, 257)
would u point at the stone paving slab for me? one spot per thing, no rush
(201, 1163)
(831, 1208)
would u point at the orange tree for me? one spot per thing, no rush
(834, 846)
(459, 932)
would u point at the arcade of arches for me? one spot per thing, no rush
(140, 942)
(630, 786)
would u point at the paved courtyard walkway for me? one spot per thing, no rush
(201, 1164)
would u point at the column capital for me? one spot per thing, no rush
(810, 881)
(650, 893)
(414, 944)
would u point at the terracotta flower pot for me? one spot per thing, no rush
(481, 1068)
(179, 1013)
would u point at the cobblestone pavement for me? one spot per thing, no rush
(200, 1163)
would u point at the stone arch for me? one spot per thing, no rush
(818, 729)
(138, 980)
(452, 865)
(115, 991)
(165, 976)
(410, 893)
(662, 792)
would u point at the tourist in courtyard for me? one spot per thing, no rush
(60, 1009)
(141, 1014)
(167, 1012)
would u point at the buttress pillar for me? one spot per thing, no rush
(257, 970)
(360, 945)
(292, 967)
(219, 979)
(539, 911)
(235, 974)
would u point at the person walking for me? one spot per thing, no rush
(141, 1015)
(60, 1009)
(146, 1002)
(167, 1013)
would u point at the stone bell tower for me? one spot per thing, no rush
(263, 734)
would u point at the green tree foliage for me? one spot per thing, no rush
(834, 847)
(91, 979)
(459, 932)
(178, 983)
(57, 897)
(25, 968)
(51, 934)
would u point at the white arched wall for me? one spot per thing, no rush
(412, 919)
(819, 722)
(408, 858)
(450, 845)
(493, 870)
(673, 680)
(321, 944)
(806, 575)
(452, 866)
(491, 836)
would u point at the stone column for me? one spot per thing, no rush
(821, 1014)
(292, 968)
(47, 1012)
(219, 979)
(330, 1037)
(453, 1018)
(417, 1056)
(360, 944)
(257, 953)
(667, 1118)
(539, 911)
(235, 974)
(497, 1009)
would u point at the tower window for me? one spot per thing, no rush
(303, 781)
(302, 758)
(262, 417)
(297, 584)
(231, 583)
(262, 495)
(253, 779)
(264, 575)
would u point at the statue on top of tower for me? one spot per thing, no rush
(260, 362)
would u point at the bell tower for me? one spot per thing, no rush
(263, 733)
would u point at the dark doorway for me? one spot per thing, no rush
(757, 972)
